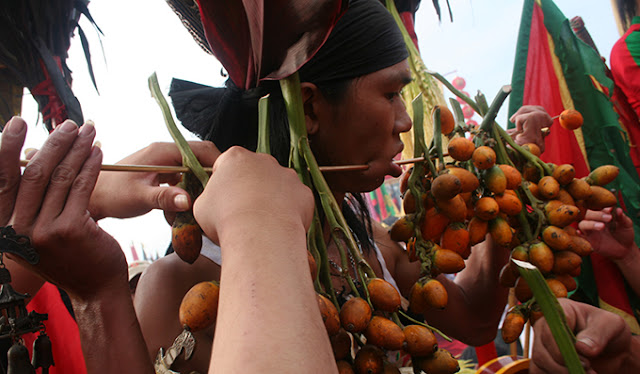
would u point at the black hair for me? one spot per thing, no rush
(627, 9)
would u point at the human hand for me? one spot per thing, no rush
(603, 340)
(610, 232)
(247, 188)
(13, 136)
(124, 195)
(529, 121)
(51, 198)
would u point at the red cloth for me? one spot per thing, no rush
(625, 72)
(62, 330)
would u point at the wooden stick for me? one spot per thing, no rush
(184, 169)
(527, 339)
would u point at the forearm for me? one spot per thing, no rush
(268, 319)
(633, 360)
(110, 334)
(630, 268)
(476, 299)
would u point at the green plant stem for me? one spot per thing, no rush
(454, 90)
(526, 154)
(189, 159)
(490, 116)
(264, 144)
(437, 136)
(405, 315)
(554, 315)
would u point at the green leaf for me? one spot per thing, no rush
(554, 315)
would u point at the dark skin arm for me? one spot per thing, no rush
(476, 300)
(50, 207)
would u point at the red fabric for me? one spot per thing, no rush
(607, 274)
(54, 109)
(542, 88)
(407, 20)
(62, 330)
(486, 353)
(625, 73)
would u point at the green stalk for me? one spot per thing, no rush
(490, 116)
(264, 144)
(307, 167)
(437, 136)
(458, 115)
(482, 103)
(455, 91)
(554, 315)
(188, 158)
(526, 154)
(405, 315)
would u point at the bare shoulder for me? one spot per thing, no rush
(390, 249)
(169, 278)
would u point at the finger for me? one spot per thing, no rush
(169, 199)
(83, 184)
(587, 226)
(601, 332)
(65, 173)
(12, 140)
(206, 152)
(35, 177)
(545, 354)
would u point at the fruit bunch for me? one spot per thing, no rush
(493, 187)
(374, 327)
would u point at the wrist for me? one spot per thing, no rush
(258, 222)
(630, 257)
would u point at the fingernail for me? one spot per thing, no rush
(87, 129)
(95, 151)
(29, 153)
(587, 341)
(97, 144)
(89, 122)
(14, 127)
(181, 202)
(598, 225)
(67, 126)
(607, 217)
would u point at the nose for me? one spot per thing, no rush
(403, 121)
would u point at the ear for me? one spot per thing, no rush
(310, 100)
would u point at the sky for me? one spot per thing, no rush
(145, 36)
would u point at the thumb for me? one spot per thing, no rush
(170, 199)
(601, 333)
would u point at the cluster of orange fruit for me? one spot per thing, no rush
(461, 202)
(374, 321)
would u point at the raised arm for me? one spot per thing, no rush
(259, 212)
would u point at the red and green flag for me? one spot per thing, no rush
(556, 70)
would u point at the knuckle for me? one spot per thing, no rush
(7, 184)
(34, 173)
(83, 184)
(62, 175)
